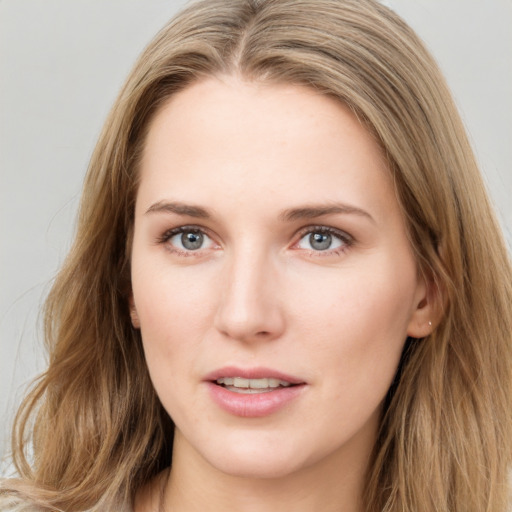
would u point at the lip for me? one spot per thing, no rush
(252, 373)
(253, 405)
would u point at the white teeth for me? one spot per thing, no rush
(241, 383)
(263, 383)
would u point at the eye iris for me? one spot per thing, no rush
(192, 241)
(320, 241)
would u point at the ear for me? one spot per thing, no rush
(429, 309)
(134, 316)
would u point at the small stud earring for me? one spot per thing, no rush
(429, 323)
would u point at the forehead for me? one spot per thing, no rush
(226, 138)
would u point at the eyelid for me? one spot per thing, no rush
(170, 233)
(347, 239)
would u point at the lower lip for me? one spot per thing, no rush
(254, 405)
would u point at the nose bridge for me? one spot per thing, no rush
(249, 305)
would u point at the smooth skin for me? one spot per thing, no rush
(268, 234)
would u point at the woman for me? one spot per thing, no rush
(285, 246)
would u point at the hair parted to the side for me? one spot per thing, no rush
(93, 422)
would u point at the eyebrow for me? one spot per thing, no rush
(289, 215)
(180, 209)
(314, 211)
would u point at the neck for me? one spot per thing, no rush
(333, 484)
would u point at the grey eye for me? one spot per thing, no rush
(192, 241)
(320, 241)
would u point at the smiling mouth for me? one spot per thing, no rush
(252, 386)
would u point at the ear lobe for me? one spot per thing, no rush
(134, 316)
(428, 312)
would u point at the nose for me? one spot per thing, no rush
(249, 307)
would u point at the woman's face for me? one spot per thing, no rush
(273, 281)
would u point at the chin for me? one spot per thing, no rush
(262, 467)
(261, 459)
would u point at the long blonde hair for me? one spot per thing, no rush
(93, 421)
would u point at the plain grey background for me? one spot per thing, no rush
(61, 65)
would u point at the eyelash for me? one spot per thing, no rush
(346, 240)
(168, 235)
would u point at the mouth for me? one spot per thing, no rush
(253, 392)
(252, 386)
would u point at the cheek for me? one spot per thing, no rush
(357, 320)
(173, 307)
(356, 302)
(164, 294)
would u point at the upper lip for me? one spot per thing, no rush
(252, 373)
